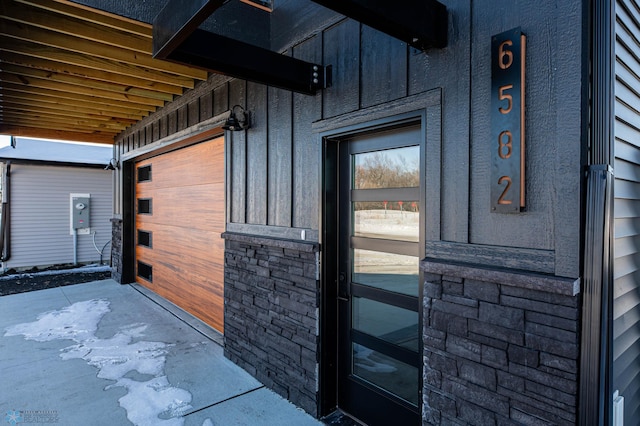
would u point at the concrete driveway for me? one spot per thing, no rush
(102, 353)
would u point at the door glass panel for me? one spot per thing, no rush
(388, 220)
(393, 168)
(385, 372)
(388, 271)
(384, 365)
(390, 323)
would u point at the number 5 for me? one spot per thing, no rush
(503, 96)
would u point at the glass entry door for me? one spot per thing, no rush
(380, 225)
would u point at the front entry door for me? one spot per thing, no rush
(380, 205)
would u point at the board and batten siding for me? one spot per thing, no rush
(626, 309)
(40, 211)
(273, 169)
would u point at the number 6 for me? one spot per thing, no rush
(505, 54)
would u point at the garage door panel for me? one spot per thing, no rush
(189, 242)
(202, 163)
(186, 253)
(170, 235)
(192, 206)
(190, 292)
(199, 263)
(180, 192)
(167, 272)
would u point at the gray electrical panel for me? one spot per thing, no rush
(80, 209)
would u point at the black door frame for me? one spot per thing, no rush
(330, 229)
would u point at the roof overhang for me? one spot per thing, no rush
(71, 71)
(76, 73)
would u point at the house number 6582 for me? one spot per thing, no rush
(507, 121)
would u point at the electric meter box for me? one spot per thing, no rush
(80, 212)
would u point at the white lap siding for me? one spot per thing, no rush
(39, 218)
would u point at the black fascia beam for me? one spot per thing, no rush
(177, 38)
(224, 55)
(177, 20)
(420, 23)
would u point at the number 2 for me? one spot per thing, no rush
(502, 200)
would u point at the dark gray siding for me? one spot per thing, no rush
(553, 130)
(626, 310)
(274, 168)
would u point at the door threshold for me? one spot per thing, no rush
(340, 418)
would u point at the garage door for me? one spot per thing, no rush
(179, 219)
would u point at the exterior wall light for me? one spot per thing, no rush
(113, 165)
(237, 120)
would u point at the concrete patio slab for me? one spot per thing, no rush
(261, 407)
(102, 353)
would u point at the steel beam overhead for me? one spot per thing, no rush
(177, 38)
(235, 58)
(177, 20)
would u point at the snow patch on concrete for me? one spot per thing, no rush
(154, 402)
(77, 322)
(151, 402)
(79, 270)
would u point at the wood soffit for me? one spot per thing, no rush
(75, 73)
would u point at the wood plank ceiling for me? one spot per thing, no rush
(75, 73)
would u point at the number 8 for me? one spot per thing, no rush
(502, 145)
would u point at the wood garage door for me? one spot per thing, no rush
(179, 219)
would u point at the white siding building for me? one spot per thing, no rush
(40, 178)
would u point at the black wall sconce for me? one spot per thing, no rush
(113, 165)
(237, 120)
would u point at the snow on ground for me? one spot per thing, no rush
(393, 224)
(150, 402)
(79, 270)
(389, 224)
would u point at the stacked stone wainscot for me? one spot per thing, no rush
(116, 249)
(499, 347)
(271, 313)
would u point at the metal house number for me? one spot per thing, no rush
(507, 122)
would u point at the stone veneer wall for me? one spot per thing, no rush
(499, 348)
(271, 314)
(116, 249)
